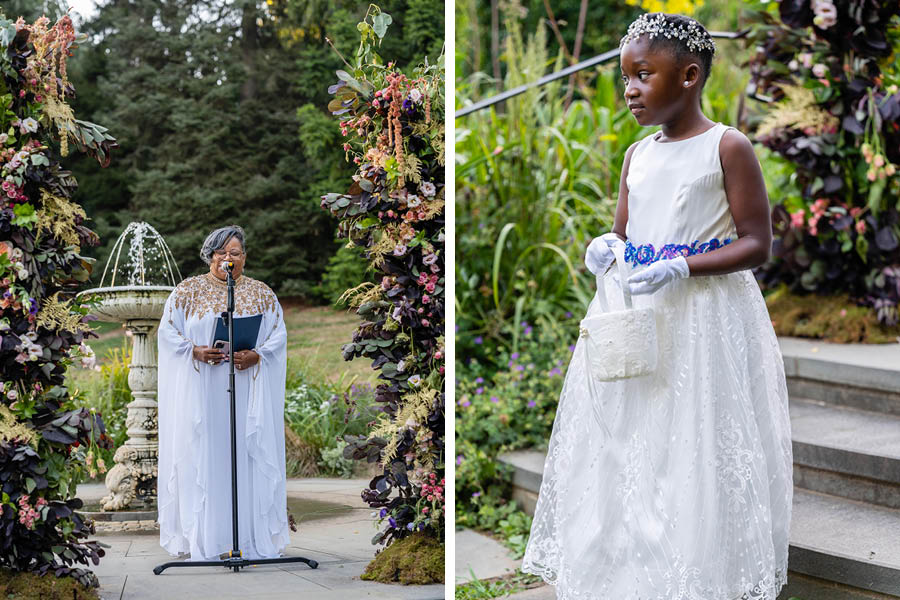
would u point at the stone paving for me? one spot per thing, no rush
(341, 545)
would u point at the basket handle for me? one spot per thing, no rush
(619, 252)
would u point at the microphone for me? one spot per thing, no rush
(229, 266)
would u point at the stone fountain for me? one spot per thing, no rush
(133, 291)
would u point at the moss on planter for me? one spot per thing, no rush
(829, 318)
(414, 560)
(29, 586)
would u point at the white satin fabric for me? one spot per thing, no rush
(194, 483)
(675, 485)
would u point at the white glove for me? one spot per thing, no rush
(658, 274)
(599, 253)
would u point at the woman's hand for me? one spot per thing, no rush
(211, 356)
(244, 359)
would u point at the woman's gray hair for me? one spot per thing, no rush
(217, 240)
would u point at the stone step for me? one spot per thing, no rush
(847, 542)
(863, 376)
(846, 452)
(837, 544)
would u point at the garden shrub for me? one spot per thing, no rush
(505, 409)
(319, 415)
(829, 72)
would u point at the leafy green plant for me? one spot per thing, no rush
(502, 409)
(332, 461)
(321, 413)
(345, 270)
(109, 398)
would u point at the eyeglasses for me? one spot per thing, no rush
(232, 255)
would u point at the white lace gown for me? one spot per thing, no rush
(688, 496)
(194, 483)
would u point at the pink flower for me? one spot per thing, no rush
(860, 227)
(797, 218)
(429, 287)
(426, 323)
(426, 298)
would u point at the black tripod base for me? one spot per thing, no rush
(235, 563)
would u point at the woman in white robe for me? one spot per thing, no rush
(194, 482)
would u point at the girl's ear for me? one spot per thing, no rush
(691, 75)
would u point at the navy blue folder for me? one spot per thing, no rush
(246, 330)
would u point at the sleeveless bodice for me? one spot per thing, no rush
(676, 198)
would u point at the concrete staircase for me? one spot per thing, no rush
(845, 418)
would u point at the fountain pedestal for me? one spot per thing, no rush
(132, 481)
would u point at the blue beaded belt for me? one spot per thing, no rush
(646, 254)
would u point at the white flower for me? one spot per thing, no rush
(413, 201)
(806, 59)
(819, 70)
(826, 13)
(3, 138)
(29, 125)
(427, 188)
(415, 95)
(22, 274)
(401, 365)
(400, 250)
(793, 65)
(415, 380)
(440, 237)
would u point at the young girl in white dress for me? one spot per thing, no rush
(684, 491)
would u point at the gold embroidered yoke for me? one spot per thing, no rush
(202, 294)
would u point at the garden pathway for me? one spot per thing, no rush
(341, 545)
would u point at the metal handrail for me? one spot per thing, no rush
(585, 64)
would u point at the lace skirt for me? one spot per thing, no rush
(684, 491)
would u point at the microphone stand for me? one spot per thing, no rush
(235, 560)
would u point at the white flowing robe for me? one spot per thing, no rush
(194, 483)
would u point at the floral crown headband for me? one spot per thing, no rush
(693, 35)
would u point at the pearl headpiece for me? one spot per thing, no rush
(693, 35)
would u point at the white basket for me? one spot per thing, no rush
(619, 344)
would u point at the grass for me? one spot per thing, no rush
(496, 587)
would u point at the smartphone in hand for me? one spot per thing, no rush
(223, 346)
